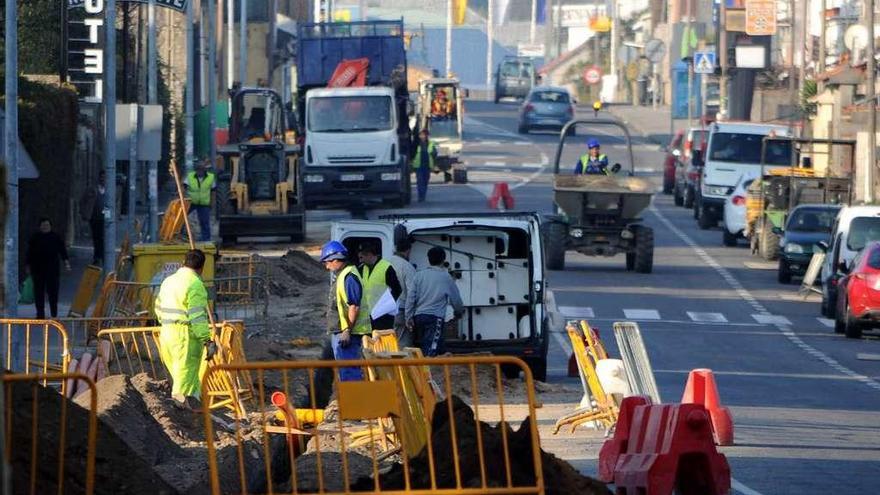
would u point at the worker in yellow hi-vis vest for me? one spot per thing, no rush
(186, 339)
(200, 186)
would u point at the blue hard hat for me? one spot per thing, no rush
(593, 143)
(333, 250)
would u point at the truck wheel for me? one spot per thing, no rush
(554, 242)
(224, 202)
(630, 261)
(644, 254)
(728, 239)
(705, 220)
(768, 244)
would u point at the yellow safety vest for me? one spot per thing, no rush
(362, 324)
(417, 161)
(200, 190)
(374, 283)
(585, 163)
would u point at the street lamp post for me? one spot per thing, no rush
(11, 152)
(109, 99)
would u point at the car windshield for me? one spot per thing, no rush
(811, 220)
(517, 69)
(746, 148)
(863, 230)
(549, 97)
(350, 114)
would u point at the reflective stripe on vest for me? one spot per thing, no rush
(586, 161)
(200, 190)
(362, 324)
(374, 283)
(417, 161)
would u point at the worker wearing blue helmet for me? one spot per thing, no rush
(351, 320)
(593, 162)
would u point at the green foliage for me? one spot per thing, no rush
(39, 36)
(808, 91)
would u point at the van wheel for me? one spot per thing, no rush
(644, 254)
(554, 245)
(852, 329)
(728, 239)
(705, 220)
(539, 369)
(768, 245)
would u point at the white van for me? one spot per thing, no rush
(854, 228)
(497, 262)
(734, 149)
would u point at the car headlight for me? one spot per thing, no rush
(391, 176)
(314, 178)
(793, 248)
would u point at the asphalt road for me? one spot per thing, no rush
(805, 407)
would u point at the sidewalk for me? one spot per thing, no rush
(645, 120)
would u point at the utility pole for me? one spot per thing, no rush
(273, 37)
(212, 81)
(613, 64)
(242, 40)
(109, 99)
(722, 55)
(690, 65)
(802, 76)
(872, 115)
(548, 29)
(490, 38)
(533, 24)
(152, 99)
(230, 42)
(189, 91)
(822, 41)
(448, 38)
(11, 158)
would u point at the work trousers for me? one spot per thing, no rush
(404, 335)
(423, 176)
(96, 225)
(429, 330)
(203, 212)
(350, 351)
(46, 283)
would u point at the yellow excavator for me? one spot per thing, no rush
(259, 189)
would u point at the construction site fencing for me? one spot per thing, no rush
(34, 346)
(243, 298)
(83, 331)
(464, 445)
(125, 299)
(636, 362)
(598, 405)
(131, 351)
(240, 265)
(49, 445)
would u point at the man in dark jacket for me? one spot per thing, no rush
(45, 252)
(92, 210)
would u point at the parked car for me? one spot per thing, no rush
(806, 226)
(858, 303)
(514, 77)
(545, 107)
(735, 209)
(670, 162)
(854, 227)
(689, 167)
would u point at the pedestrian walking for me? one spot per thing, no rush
(43, 259)
(405, 273)
(186, 337)
(353, 319)
(200, 186)
(431, 292)
(423, 163)
(378, 276)
(92, 210)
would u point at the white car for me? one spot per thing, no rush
(854, 228)
(735, 208)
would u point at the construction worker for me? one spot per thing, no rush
(431, 292)
(594, 162)
(405, 273)
(440, 106)
(597, 105)
(354, 319)
(423, 163)
(378, 276)
(182, 310)
(200, 186)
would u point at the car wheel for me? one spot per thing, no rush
(705, 220)
(852, 329)
(522, 129)
(667, 186)
(677, 198)
(839, 324)
(630, 261)
(728, 239)
(783, 274)
(688, 197)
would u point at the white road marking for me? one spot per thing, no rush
(768, 319)
(576, 312)
(867, 357)
(750, 299)
(736, 485)
(643, 170)
(761, 265)
(707, 317)
(641, 314)
(532, 165)
(522, 143)
(494, 164)
(828, 322)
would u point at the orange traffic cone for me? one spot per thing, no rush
(501, 197)
(702, 389)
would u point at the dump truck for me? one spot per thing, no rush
(444, 124)
(352, 92)
(259, 186)
(599, 215)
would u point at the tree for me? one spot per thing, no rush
(39, 36)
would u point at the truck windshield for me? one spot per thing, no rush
(350, 114)
(863, 230)
(746, 148)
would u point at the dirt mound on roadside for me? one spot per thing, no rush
(289, 274)
(299, 290)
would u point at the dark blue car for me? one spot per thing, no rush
(806, 226)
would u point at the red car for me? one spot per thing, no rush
(673, 154)
(858, 300)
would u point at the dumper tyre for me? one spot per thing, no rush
(644, 249)
(768, 244)
(554, 241)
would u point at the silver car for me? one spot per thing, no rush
(545, 107)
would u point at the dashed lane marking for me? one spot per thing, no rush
(828, 322)
(768, 319)
(576, 312)
(494, 164)
(707, 317)
(641, 314)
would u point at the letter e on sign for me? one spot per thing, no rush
(94, 61)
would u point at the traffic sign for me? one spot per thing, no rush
(704, 62)
(760, 17)
(592, 74)
(654, 50)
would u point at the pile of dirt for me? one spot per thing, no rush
(298, 296)
(292, 271)
(560, 478)
(487, 384)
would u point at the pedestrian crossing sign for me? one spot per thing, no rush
(704, 62)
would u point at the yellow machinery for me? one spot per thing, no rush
(444, 122)
(259, 191)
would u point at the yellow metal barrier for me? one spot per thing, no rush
(172, 221)
(136, 350)
(241, 298)
(381, 341)
(34, 346)
(463, 456)
(605, 409)
(83, 331)
(240, 265)
(31, 438)
(85, 291)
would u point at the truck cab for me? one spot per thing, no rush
(497, 263)
(352, 148)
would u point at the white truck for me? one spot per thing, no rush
(497, 262)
